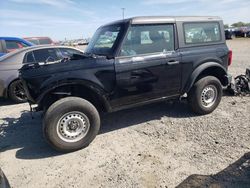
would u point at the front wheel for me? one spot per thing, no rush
(70, 124)
(205, 95)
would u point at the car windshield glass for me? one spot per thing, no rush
(104, 40)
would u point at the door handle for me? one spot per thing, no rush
(137, 59)
(172, 62)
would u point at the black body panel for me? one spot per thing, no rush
(146, 77)
(89, 70)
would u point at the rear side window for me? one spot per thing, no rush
(46, 55)
(198, 33)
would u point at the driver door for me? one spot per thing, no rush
(148, 66)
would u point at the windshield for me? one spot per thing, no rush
(104, 40)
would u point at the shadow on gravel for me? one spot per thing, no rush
(235, 175)
(134, 116)
(26, 133)
(5, 102)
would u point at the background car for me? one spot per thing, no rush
(8, 44)
(10, 85)
(39, 40)
(228, 34)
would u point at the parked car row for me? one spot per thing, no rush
(10, 85)
(242, 32)
(237, 32)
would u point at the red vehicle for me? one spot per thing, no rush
(39, 40)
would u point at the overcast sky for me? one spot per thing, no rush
(74, 19)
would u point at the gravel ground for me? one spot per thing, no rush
(160, 145)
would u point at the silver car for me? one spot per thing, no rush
(10, 85)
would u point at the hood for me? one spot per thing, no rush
(76, 62)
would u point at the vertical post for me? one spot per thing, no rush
(123, 10)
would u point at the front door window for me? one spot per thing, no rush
(144, 39)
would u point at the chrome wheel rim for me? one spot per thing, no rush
(73, 126)
(208, 96)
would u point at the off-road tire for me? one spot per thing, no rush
(196, 92)
(58, 110)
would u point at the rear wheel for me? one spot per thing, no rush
(17, 92)
(70, 124)
(205, 95)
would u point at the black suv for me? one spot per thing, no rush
(128, 63)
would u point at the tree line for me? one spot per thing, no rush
(238, 24)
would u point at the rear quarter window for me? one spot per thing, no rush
(29, 58)
(46, 55)
(202, 33)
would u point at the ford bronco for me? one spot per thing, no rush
(128, 63)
